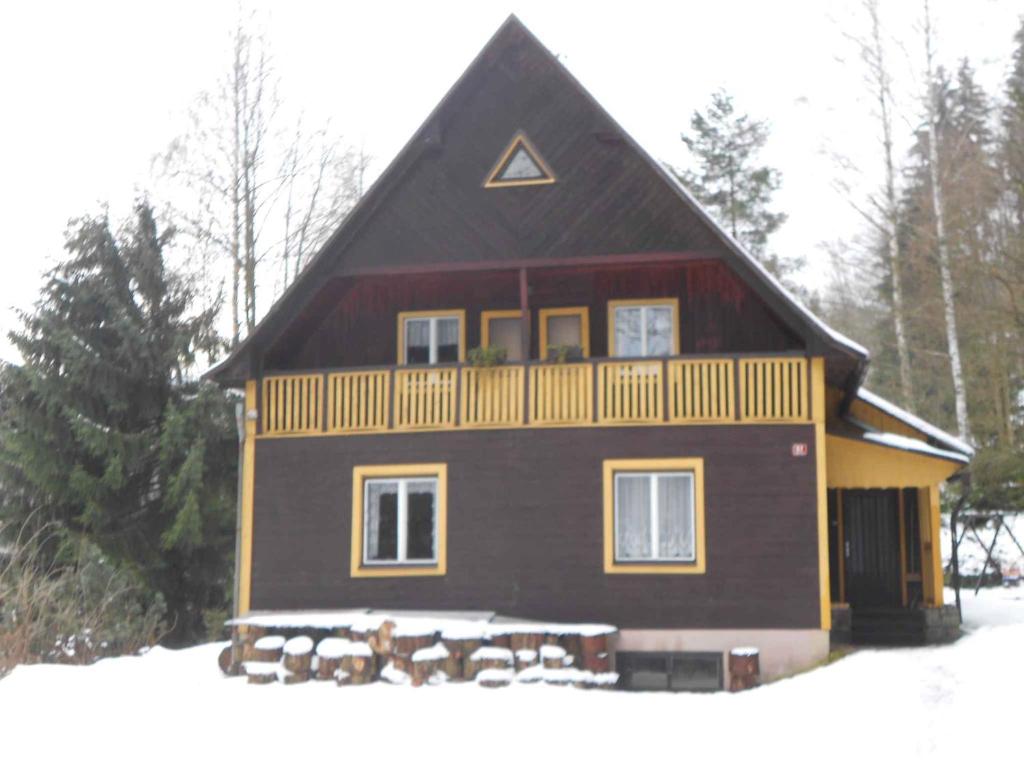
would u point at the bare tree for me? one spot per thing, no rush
(255, 190)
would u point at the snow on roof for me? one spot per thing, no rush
(913, 421)
(904, 443)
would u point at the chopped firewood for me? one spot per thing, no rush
(494, 678)
(329, 653)
(382, 641)
(591, 645)
(572, 643)
(525, 657)
(407, 643)
(267, 648)
(526, 640)
(598, 662)
(744, 669)
(262, 672)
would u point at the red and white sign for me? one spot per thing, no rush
(799, 449)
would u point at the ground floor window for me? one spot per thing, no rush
(654, 515)
(399, 520)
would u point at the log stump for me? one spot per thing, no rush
(526, 640)
(267, 648)
(488, 657)
(224, 659)
(297, 655)
(460, 648)
(426, 662)
(261, 672)
(246, 637)
(329, 653)
(407, 643)
(573, 645)
(382, 641)
(494, 678)
(525, 658)
(744, 669)
(553, 656)
(597, 663)
(358, 665)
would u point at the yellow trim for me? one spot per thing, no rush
(359, 476)
(773, 380)
(519, 140)
(860, 464)
(496, 314)
(611, 466)
(701, 391)
(458, 313)
(616, 303)
(818, 395)
(248, 495)
(584, 315)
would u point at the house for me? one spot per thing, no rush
(674, 445)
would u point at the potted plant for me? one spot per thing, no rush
(487, 357)
(565, 353)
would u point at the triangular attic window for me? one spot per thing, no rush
(520, 165)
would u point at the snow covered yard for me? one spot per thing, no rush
(936, 705)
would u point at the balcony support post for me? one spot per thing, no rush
(524, 316)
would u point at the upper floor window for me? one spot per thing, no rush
(643, 328)
(431, 337)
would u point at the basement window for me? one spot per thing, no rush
(655, 671)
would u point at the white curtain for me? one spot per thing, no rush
(675, 517)
(628, 335)
(417, 337)
(659, 331)
(633, 516)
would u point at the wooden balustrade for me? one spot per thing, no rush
(773, 389)
(492, 397)
(425, 398)
(562, 394)
(676, 391)
(358, 401)
(630, 392)
(701, 391)
(293, 405)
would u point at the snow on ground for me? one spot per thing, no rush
(933, 706)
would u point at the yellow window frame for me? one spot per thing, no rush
(584, 315)
(671, 302)
(360, 474)
(495, 314)
(689, 464)
(457, 313)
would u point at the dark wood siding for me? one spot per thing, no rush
(718, 312)
(525, 533)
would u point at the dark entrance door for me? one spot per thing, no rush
(871, 536)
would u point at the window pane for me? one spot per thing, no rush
(420, 518)
(447, 340)
(632, 517)
(628, 341)
(381, 520)
(507, 332)
(659, 331)
(417, 341)
(675, 517)
(564, 331)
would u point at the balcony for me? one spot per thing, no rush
(601, 392)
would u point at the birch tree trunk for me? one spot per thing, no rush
(945, 273)
(879, 73)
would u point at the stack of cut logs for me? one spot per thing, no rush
(494, 655)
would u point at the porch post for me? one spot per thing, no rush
(524, 314)
(818, 419)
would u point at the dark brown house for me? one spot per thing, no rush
(674, 445)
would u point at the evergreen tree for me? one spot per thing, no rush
(728, 179)
(104, 431)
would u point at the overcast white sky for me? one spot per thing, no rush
(89, 91)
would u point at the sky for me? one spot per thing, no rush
(91, 91)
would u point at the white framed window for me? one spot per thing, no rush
(643, 329)
(431, 339)
(400, 521)
(655, 517)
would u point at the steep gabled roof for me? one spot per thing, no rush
(244, 360)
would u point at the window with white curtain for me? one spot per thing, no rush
(655, 517)
(644, 330)
(432, 339)
(400, 520)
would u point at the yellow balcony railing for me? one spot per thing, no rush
(492, 397)
(773, 389)
(701, 391)
(562, 394)
(637, 391)
(292, 405)
(359, 401)
(425, 398)
(630, 392)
